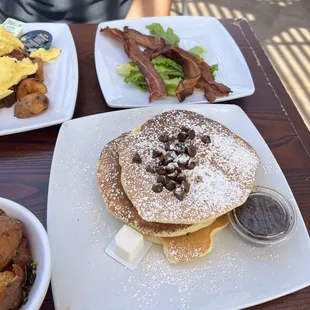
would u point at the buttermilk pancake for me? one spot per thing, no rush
(117, 203)
(192, 246)
(183, 168)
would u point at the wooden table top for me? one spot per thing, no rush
(25, 158)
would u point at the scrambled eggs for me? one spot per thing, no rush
(8, 42)
(46, 55)
(12, 72)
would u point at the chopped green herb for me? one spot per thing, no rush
(31, 276)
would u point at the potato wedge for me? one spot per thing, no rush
(11, 233)
(39, 75)
(30, 86)
(30, 105)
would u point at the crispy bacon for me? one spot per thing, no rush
(186, 88)
(192, 73)
(155, 82)
(211, 88)
(144, 40)
(113, 33)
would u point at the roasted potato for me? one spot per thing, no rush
(30, 86)
(39, 75)
(30, 105)
(11, 291)
(11, 233)
(22, 256)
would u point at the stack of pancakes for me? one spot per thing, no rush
(175, 178)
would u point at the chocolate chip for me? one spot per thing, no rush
(191, 134)
(167, 146)
(160, 161)
(163, 138)
(157, 188)
(137, 159)
(161, 170)
(182, 161)
(192, 150)
(191, 165)
(172, 154)
(206, 139)
(182, 164)
(170, 168)
(184, 128)
(186, 186)
(179, 193)
(168, 161)
(180, 178)
(170, 185)
(156, 153)
(173, 175)
(161, 179)
(178, 169)
(179, 148)
(182, 136)
(150, 169)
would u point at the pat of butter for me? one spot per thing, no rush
(128, 243)
(13, 26)
(128, 247)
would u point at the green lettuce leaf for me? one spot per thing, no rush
(158, 31)
(198, 51)
(169, 70)
(214, 69)
(171, 85)
(136, 77)
(126, 69)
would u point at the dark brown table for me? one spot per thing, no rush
(25, 158)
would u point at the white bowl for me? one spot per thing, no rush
(39, 248)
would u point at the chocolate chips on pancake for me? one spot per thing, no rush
(179, 156)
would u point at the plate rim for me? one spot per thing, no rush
(231, 40)
(68, 114)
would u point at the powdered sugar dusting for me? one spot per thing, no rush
(227, 167)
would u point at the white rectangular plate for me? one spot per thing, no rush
(234, 275)
(61, 79)
(193, 31)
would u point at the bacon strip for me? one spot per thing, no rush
(144, 40)
(155, 82)
(211, 88)
(113, 33)
(192, 73)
